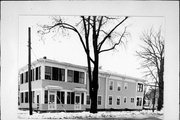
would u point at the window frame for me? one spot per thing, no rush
(119, 85)
(125, 100)
(48, 73)
(118, 97)
(126, 86)
(132, 98)
(139, 88)
(137, 102)
(88, 101)
(99, 96)
(110, 85)
(109, 100)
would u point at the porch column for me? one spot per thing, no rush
(65, 97)
(42, 72)
(66, 72)
(85, 97)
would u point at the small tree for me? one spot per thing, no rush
(93, 31)
(152, 54)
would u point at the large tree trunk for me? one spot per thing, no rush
(94, 86)
(161, 86)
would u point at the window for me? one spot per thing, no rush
(81, 77)
(33, 93)
(82, 98)
(88, 100)
(70, 97)
(70, 76)
(62, 97)
(118, 100)
(22, 97)
(119, 86)
(48, 73)
(111, 85)
(38, 73)
(140, 87)
(76, 76)
(61, 74)
(110, 100)
(125, 99)
(58, 99)
(21, 78)
(26, 80)
(125, 85)
(45, 96)
(99, 100)
(132, 100)
(139, 101)
(32, 74)
(26, 97)
(54, 73)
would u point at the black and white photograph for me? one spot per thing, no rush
(90, 60)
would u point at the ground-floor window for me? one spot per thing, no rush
(22, 97)
(26, 97)
(110, 100)
(45, 96)
(118, 100)
(139, 101)
(125, 99)
(82, 98)
(70, 97)
(88, 100)
(99, 100)
(60, 97)
(132, 100)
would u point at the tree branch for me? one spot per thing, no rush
(115, 43)
(101, 43)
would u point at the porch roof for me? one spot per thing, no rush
(53, 87)
(79, 90)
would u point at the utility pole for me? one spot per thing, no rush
(29, 70)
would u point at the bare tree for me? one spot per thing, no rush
(93, 32)
(152, 54)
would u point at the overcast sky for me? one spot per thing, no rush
(69, 49)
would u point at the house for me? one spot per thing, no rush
(61, 86)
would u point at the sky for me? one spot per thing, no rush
(69, 49)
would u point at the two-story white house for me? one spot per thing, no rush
(61, 86)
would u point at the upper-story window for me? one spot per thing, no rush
(35, 75)
(125, 85)
(75, 76)
(21, 78)
(118, 86)
(111, 84)
(38, 73)
(54, 73)
(140, 87)
(48, 73)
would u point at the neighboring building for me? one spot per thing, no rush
(64, 87)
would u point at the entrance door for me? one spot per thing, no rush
(77, 102)
(52, 103)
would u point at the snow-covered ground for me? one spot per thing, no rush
(86, 115)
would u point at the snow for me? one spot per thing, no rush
(86, 115)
